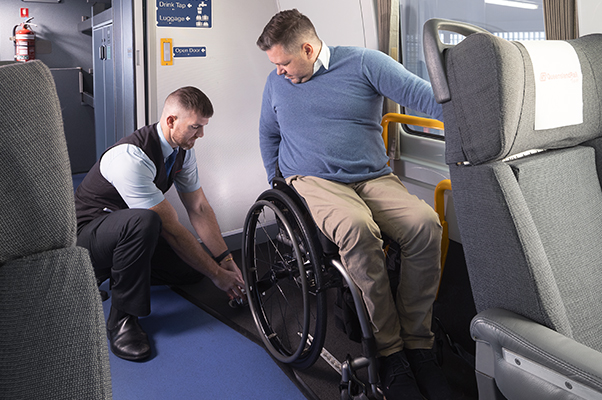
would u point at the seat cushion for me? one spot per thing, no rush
(52, 334)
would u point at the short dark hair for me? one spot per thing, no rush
(192, 99)
(289, 29)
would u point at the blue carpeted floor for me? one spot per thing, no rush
(195, 356)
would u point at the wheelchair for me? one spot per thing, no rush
(288, 266)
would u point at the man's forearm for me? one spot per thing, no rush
(207, 228)
(190, 251)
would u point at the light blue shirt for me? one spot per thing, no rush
(132, 173)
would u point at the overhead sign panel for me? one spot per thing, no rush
(184, 14)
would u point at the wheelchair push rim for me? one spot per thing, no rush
(282, 275)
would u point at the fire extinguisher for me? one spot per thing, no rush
(25, 41)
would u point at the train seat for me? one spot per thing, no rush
(528, 200)
(52, 332)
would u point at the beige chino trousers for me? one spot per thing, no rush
(353, 217)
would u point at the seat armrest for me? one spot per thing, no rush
(529, 360)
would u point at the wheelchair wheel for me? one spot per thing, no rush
(283, 275)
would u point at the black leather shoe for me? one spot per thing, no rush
(429, 375)
(397, 379)
(128, 340)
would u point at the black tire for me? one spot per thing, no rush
(283, 274)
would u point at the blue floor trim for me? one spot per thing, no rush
(195, 356)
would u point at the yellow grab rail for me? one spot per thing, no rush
(409, 120)
(440, 210)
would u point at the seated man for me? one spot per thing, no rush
(132, 231)
(320, 121)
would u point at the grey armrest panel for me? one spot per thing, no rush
(505, 329)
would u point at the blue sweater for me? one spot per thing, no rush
(329, 126)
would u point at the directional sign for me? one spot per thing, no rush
(189, 51)
(184, 14)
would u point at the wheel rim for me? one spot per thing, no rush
(272, 280)
(270, 283)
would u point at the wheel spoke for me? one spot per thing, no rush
(282, 271)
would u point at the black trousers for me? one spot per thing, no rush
(126, 246)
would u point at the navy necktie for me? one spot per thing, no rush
(170, 160)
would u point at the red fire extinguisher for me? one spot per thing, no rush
(25, 41)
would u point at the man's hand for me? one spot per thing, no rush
(230, 265)
(202, 218)
(229, 279)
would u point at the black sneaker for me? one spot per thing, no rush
(397, 379)
(429, 376)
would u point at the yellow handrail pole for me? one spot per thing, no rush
(440, 210)
(408, 120)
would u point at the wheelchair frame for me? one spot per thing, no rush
(315, 274)
(307, 268)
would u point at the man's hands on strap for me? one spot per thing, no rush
(226, 275)
(229, 279)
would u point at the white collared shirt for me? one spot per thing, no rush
(323, 58)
